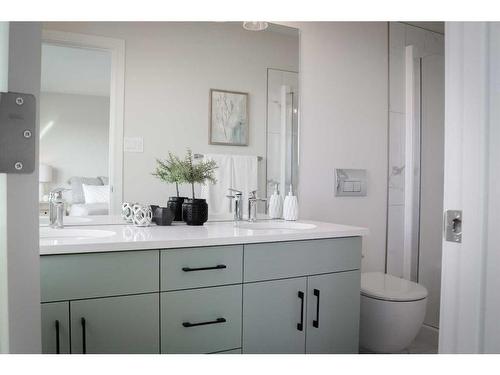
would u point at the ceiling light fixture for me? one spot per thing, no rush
(255, 25)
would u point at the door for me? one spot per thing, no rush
(333, 313)
(274, 316)
(55, 328)
(128, 324)
(431, 182)
(470, 302)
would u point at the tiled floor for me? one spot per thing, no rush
(426, 342)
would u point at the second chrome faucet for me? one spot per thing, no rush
(237, 196)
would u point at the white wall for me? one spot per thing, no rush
(344, 89)
(76, 142)
(170, 68)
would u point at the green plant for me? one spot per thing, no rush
(196, 173)
(169, 171)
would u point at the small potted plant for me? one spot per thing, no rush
(169, 171)
(195, 211)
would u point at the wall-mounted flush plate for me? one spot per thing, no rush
(17, 132)
(350, 182)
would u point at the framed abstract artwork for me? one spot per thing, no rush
(228, 118)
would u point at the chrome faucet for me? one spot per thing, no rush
(238, 199)
(56, 208)
(252, 205)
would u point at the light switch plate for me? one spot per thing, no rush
(350, 182)
(133, 144)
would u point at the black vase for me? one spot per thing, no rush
(175, 204)
(195, 211)
(163, 215)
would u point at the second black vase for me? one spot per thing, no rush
(195, 211)
(175, 204)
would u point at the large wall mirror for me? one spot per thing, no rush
(117, 96)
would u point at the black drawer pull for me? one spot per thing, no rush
(217, 267)
(58, 338)
(217, 321)
(84, 336)
(316, 321)
(300, 326)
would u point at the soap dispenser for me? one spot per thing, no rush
(291, 206)
(276, 204)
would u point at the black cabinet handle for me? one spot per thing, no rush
(316, 321)
(217, 267)
(84, 336)
(300, 326)
(217, 321)
(58, 338)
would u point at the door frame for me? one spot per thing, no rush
(466, 187)
(116, 47)
(4, 299)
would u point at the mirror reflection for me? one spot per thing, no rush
(228, 94)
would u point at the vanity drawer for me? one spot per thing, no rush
(201, 267)
(277, 260)
(201, 320)
(76, 276)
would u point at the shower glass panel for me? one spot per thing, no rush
(416, 146)
(282, 130)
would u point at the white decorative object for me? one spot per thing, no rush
(127, 211)
(96, 193)
(276, 204)
(142, 215)
(291, 206)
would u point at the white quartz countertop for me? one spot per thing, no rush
(106, 238)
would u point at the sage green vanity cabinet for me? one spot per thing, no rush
(251, 298)
(315, 314)
(272, 313)
(204, 320)
(55, 328)
(126, 324)
(76, 276)
(333, 313)
(201, 266)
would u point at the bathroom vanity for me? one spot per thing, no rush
(266, 287)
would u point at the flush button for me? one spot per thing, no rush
(356, 186)
(348, 186)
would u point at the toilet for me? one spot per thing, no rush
(392, 312)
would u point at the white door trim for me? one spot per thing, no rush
(4, 298)
(117, 94)
(465, 186)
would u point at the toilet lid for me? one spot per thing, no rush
(390, 288)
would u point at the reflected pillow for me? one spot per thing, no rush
(76, 183)
(96, 194)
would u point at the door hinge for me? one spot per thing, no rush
(17, 132)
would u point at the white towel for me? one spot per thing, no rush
(216, 194)
(245, 176)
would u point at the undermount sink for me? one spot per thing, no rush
(68, 220)
(52, 234)
(270, 225)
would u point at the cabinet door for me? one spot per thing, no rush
(128, 324)
(333, 313)
(55, 328)
(274, 316)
